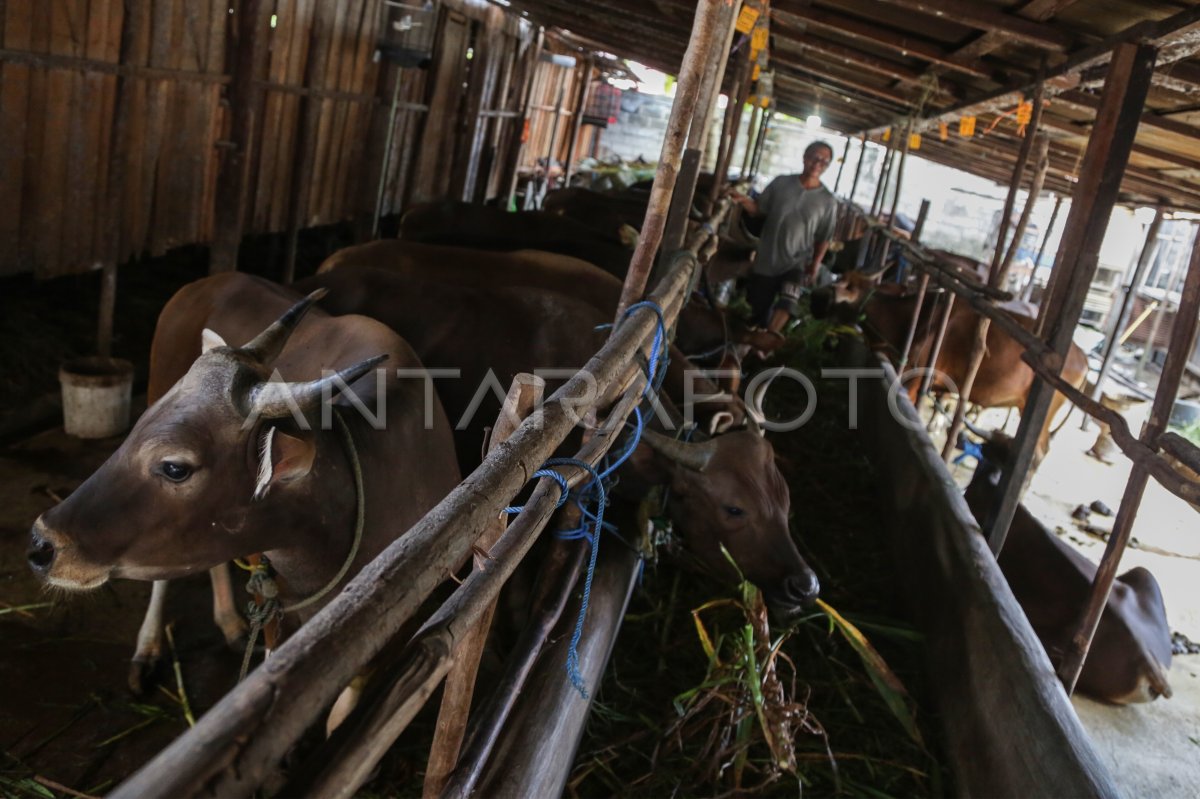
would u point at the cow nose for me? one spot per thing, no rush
(41, 553)
(802, 589)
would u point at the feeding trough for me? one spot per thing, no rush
(96, 394)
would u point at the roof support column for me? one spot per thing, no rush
(1104, 162)
(1182, 335)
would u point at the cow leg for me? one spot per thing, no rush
(149, 640)
(225, 612)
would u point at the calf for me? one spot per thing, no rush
(1131, 652)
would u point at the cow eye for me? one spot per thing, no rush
(734, 511)
(175, 472)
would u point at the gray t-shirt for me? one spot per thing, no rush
(797, 219)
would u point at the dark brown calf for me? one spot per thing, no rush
(1131, 652)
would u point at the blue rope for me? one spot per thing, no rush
(596, 490)
(563, 489)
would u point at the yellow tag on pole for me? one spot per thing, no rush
(754, 72)
(746, 19)
(943, 131)
(887, 134)
(1024, 113)
(760, 38)
(966, 126)
(914, 141)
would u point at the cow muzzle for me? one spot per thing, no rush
(61, 565)
(41, 552)
(793, 596)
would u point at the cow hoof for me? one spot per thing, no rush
(141, 671)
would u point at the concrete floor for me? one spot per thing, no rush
(1153, 750)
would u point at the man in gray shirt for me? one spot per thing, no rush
(800, 215)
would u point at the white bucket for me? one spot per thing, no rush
(96, 396)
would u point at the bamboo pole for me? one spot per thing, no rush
(699, 51)
(524, 395)
(883, 254)
(1183, 334)
(733, 120)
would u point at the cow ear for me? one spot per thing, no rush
(628, 235)
(283, 458)
(210, 339)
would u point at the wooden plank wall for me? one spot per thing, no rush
(64, 64)
(542, 103)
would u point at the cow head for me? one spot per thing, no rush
(191, 485)
(727, 492)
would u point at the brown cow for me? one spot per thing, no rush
(726, 491)
(1131, 652)
(222, 465)
(701, 329)
(483, 227)
(1003, 380)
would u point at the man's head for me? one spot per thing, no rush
(817, 158)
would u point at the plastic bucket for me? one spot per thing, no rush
(96, 396)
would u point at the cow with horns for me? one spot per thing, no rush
(255, 448)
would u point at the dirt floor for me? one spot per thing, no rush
(1151, 749)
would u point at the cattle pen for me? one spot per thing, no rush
(237, 127)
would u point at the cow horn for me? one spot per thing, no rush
(986, 435)
(755, 416)
(266, 346)
(693, 456)
(273, 400)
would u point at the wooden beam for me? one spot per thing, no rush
(844, 55)
(1148, 118)
(1036, 10)
(785, 64)
(888, 37)
(1092, 202)
(986, 17)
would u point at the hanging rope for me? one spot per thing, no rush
(592, 498)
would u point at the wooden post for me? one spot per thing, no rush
(842, 166)
(1001, 263)
(1027, 292)
(733, 120)
(751, 133)
(700, 45)
(585, 91)
(246, 47)
(1121, 318)
(558, 106)
(1159, 314)
(936, 349)
(883, 253)
(1108, 149)
(517, 146)
(524, 395)
(697, 140)
(763, 129)
(1182, 335)
(1042, 165)
(924, 287)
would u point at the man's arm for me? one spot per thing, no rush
(748, 203)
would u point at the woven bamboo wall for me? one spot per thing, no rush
(114, 121)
